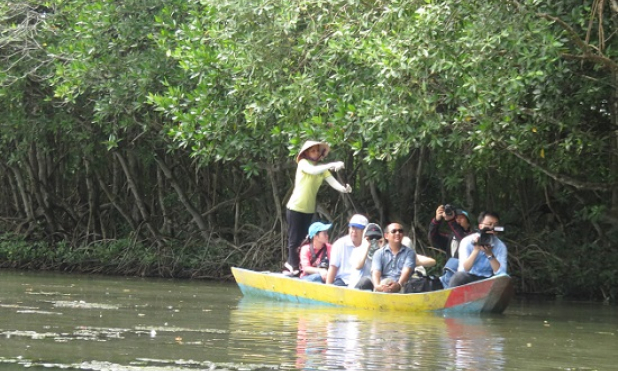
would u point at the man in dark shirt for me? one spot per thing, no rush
(458, 223)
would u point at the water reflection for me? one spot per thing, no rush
(473, 346)
(315, 337)
(70, 322)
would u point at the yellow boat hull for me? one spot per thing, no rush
(491, 295)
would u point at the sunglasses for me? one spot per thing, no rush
(396, 231)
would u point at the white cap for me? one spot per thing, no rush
(358, 221)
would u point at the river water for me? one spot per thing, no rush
(74, 322)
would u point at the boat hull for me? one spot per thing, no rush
(491, 295)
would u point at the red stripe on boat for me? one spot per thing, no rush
(468, 293)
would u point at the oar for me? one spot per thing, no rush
(346, 195)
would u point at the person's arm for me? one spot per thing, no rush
(425, 261)
(437, 239)
(493, 262)
(359, 255)
(305, 259)
(306, 167)
(499, 253)
(409, 264)
(467, 261)
(376, 277)
(331, 274)
(406, 273)
(338, 186)
(376, 270)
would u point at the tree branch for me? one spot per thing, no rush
(581, 185)
(585, 47)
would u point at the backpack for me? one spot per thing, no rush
(422, 283)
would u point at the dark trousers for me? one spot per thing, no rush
(364, 283)
(462, 278)
(298, 227)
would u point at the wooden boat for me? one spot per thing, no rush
(491, 295)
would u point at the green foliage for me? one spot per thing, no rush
(514, 97)
(455, 77)
(114, 257)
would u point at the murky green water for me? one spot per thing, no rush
(58, 322)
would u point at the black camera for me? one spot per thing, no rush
(449, 210)
(485, 238)
(374, 246)
(324, 262)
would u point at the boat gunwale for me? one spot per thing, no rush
(489, 295)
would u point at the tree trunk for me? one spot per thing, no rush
(166, 228)
(37, 188)
(14, 195)
(195, 214)
(113, 199)
(93, 205)
(139, 202)
(417, 195)
(375, 195)
(471, 193)
(277, 202)
(614, 144)
(23, 192)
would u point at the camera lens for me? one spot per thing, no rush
(449, 210)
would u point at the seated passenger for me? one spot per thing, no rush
(340, 268)
(481, 259)
(314, 255)
(394, 263)
(361, 257)
(458, 223)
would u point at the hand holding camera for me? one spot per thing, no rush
(441, 212)
(485, 236)
(448, 212)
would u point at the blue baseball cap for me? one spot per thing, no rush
(318, 227)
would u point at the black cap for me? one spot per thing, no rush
(372, 232)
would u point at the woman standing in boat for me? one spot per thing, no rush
(315, 254)
(302, 203)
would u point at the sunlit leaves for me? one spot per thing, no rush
(376, 79)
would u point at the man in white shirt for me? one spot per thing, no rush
(340, 266)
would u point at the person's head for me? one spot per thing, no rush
(318, 232)
(394, 234)
(312, 150)
(373, 232)
(356, 226)
(488, 219)
(463, 219)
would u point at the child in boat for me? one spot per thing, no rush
(302, 203)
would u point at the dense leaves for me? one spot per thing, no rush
(176, 122)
